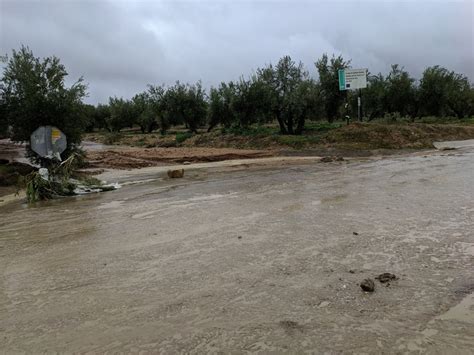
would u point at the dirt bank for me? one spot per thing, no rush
(396, 136)
(317, 136)
(135, 150)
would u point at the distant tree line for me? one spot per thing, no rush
(33, 93)
(287, 94)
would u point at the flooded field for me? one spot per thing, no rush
(249, 258)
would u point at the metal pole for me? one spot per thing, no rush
(359, 106)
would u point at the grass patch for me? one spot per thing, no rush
(112, 138)
(297, 142)
(322, 126)
(396, 136)
(384, 133)
(182, 136)
(250, 131)
(446, 120)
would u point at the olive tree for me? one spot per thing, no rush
(184, 104)
(33, 93)
(400, 92)
(221, 105)
(445, 93)
(332, 97)
(122, 114)
(145, 116)
(290, 94)
(375, 96)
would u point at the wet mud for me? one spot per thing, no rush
(249, 259)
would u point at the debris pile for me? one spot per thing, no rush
(58, 181)
(368, 285)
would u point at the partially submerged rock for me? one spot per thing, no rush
(367, 285)
(327, 159)
(174, 174)
(386, 277)
(330, 159)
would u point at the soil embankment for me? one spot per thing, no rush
(133, 158)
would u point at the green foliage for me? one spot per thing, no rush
(441, 93)
(321, 126)
(182, 136)
(290, 95)
(58, 184)
(445, 93)
(122, 114)
(88, 113)
(184, 104)
(286, 93)
(157, 102)
(221, 109)
(38, 189)
(375, 96)
(33, 94)
(332, 97)
(400, 92)
(3, 116)
(250, 103)
(144, 112)
(63, 180)
(101, 117)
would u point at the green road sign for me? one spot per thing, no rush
(342, 79)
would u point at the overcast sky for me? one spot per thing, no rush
(121, 46)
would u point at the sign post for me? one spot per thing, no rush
(353, 79)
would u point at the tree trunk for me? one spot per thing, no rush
(152, 126)
(300, 126)
(211, 127)
(282, 124)
(290, 125)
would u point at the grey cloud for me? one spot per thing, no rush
(121, 46)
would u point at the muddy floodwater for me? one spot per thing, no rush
(249, 259)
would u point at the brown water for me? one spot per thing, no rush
(248, 259)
